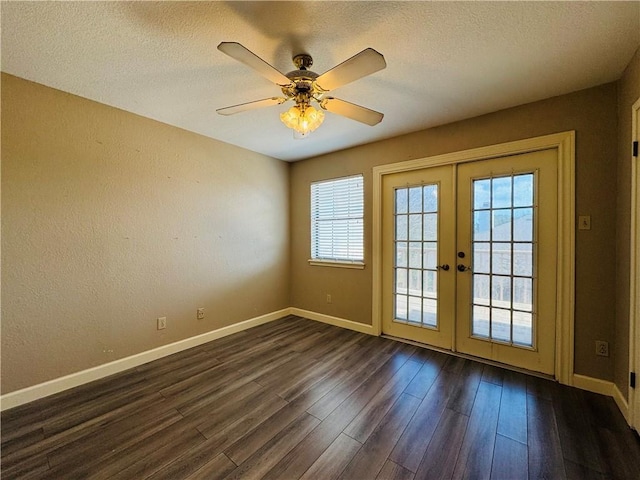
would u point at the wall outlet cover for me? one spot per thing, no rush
(602, 348)
(584, 222)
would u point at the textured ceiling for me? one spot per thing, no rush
(446, 61)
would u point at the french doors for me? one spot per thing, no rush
(469, 258)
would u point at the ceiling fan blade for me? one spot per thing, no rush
(352, 111)
(242, 54)
(360, 65)
(243, 107)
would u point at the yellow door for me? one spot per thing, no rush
(507, 232)
(469, 258)
(418, 229)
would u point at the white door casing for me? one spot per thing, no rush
(634, 267)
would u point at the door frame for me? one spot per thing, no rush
(564, 143)
(634, 267)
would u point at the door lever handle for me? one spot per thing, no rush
(463, 268)
(444, 267)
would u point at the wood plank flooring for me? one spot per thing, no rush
(299, 399)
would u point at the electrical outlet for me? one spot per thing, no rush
(162, 323)
(584, 222)
(328, 298)
(602, 348)
(200, 314)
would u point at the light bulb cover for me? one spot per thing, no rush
(302, 118)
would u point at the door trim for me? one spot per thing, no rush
(634, 270)
(564, 143)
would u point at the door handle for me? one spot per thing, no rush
(463, 268)
(444, 267)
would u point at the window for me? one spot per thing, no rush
(337, 218)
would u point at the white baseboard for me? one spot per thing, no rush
(336, 321)
(35, 392)
(591, 384)
(603, 387)
(621, 402)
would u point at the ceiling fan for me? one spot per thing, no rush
(304, 86)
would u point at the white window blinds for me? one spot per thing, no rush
(337, 218)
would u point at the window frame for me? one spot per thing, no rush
(357, 263)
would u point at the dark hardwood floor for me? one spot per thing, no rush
(300, 399)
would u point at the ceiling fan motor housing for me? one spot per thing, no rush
(303, 87)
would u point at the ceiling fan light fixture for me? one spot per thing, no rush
(302, 118)
(303, 86)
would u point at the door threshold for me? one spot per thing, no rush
(471, 357)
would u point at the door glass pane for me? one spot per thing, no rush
(523, 259)
(401, 227)
(415, 227)
(430, 284)
(482, 194)
(501, 291)
(482, 225)
(481, 257)
(401, 280)
(523, 190)
(481, 318)
(501, 258)
(503, 234)
(430, 312)
(501, 225)
(415, 309)
(400, 307)
(402, 254)
(523, 294)
(481, 289)
(402, 204)
(501, 324)
(523, 225)
(415, 200)
(430, 223)
(430, 198)
(501, 192)
(415, 282)
(430, 250)
(416, 253)
(522, 328)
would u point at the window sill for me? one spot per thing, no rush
(337, 263)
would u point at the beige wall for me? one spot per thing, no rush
(110, 220)
(628, 93)
(592, 113)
